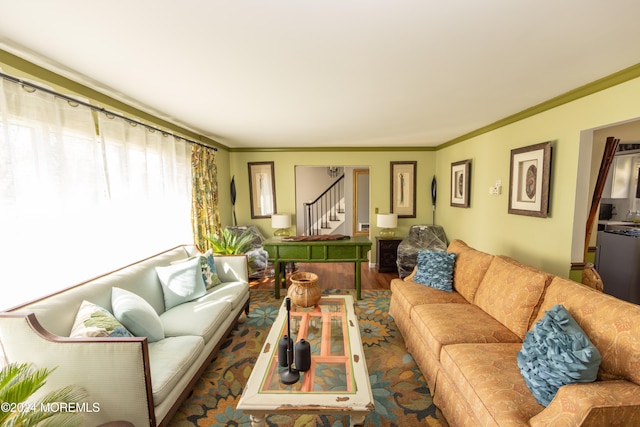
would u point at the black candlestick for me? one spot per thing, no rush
(290, 376)
(283, 346)
(303, 355)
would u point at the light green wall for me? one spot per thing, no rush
(541, 242)
(379, 175)
(545, 243)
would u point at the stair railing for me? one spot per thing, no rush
(325, 208)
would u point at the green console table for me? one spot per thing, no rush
(353, 249)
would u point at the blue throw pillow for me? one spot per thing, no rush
(555, 352)
(435, 269)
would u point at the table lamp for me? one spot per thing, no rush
(388, 223)
(281, 222)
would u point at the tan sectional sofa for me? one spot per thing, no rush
(133, 379)
(465, 343)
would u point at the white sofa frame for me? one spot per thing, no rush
(115, 371)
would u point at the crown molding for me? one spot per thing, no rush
(95, 97)
(324, 149)
(41, 73)
(606, 82)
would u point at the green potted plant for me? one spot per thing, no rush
(227, 242)
(231, 242)
(19, 381)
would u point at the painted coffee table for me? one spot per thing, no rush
(337, 382)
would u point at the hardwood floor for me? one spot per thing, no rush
(338, 275)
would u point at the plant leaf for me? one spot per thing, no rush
(18, 382)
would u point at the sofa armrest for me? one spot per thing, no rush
(232, 268)
(592, 404)
(114, 371)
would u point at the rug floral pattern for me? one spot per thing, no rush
(399, 389)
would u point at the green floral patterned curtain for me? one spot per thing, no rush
(205, 213)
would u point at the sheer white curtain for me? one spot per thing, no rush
(149, 186)
(50, 183)
(74, 206)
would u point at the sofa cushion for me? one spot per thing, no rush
(95, 321)
(536, 309)
(457, 411)
(435, 269)
(487, 377)
(181, 282)
(209, 273)
(443, 324)
(136, 314)
(170, 359)
(408, 294)
(611, 324)
(556, 352)
(201, 318)
(427, 362)
(511, 292)
(235, 293)
(471, 266)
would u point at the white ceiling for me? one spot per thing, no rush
(357, 73)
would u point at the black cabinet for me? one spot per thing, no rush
(387, 254)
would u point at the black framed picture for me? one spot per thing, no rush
(403, 189)
(262, 188)
(529, 180)
(460, 181)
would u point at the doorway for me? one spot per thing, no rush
(592, 143)
(311, 181)
(361, 220)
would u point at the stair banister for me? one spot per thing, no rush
(324, 208)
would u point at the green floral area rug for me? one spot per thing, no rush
(400, 392)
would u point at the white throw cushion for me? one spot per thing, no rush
(136, 314)
(202, 318)
(95, 321)
(234, 292)
(170, 360)
(181, 282)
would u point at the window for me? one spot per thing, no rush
(74, 205)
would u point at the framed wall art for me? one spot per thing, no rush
(460, 180)
(403, 189)
(262, 188)
(529, 180)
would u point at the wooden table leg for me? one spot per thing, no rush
(276, 279)
(358, 280)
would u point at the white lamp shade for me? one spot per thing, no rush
(387, 220)
(280, 221)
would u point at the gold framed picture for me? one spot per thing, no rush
(403, 189)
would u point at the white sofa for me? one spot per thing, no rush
(130, 379)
